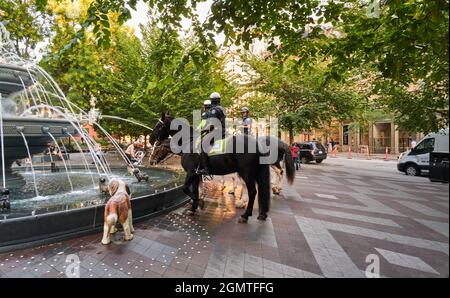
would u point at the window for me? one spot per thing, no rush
(426, 145)
(305, 146)
(346, 134)
(320, 146)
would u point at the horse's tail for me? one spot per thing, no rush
(288, 162)
(263, 180)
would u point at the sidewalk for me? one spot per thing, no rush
(327, 227)
(391, 157)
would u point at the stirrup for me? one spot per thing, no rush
(208, 177)
(203, 173)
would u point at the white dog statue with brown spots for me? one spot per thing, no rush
(118, 209)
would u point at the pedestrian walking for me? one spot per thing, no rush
(294, 152)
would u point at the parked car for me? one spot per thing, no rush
(312, 151)
(417, 160)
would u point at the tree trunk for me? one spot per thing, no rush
(291, 135)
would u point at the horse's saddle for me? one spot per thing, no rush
(219, 147)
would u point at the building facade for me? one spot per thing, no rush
(375, 137)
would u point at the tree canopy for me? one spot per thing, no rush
(27, 22)
(302, 100)
(404, 42)
(402, 45)
(132, 79)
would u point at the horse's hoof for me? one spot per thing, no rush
(201, 204)
(262, 217)
(190, 213)
(243, 220)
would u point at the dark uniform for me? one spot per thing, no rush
(215, 112)
(247, 122)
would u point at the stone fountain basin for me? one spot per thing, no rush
(37, 139)
(41, 229)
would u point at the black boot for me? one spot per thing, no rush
(203, 168)
(204, 172)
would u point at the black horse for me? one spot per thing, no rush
(246, 164)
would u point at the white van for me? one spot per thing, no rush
(417, 160)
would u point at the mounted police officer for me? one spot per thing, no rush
(246, 121)
(215, 112)
(206, 108)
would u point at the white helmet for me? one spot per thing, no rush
(214, 95)
(207, 102)
(215, 98)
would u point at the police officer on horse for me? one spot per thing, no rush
(246, 121)
(214, 112)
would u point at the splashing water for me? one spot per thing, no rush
(31, 164)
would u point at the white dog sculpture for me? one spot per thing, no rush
(118, 209)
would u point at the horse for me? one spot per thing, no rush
(162, 152)
(246, 164)
(277, 170)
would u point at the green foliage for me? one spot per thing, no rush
(400, 42)
(81, 73)
(27, 22)
(135, 80)
(127, 68)
(302, 101)
(424, 110)
(179, 74)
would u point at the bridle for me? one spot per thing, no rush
(165, 127)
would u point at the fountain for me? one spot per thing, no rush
(14, 80)
(51, 197)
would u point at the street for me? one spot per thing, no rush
(362, 167)
(341, 218)
(348, 209)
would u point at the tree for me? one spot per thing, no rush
(86, 71)
(127, 68)
(130, 79)
(407, 47)
(179, 74)
(405, 41)
(302, 101)
(27, 24)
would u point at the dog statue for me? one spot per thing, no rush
(118, 209)
(140, 176)
(103, 187)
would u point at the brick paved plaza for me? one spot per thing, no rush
(325, 225)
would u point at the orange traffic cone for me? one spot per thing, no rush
(368, 154)
(387, 153)
(349, 152)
